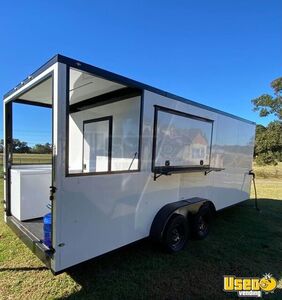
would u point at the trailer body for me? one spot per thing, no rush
(122, 151)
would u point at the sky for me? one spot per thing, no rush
(221, 53)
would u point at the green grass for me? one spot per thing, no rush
(29, 158)
(268, 171)
(243, 242)
(269, 188)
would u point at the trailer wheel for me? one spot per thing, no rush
(201, 222)
(175, 233)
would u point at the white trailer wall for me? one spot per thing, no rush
(232, 150)
(100, 213)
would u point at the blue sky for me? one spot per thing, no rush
(221, 53)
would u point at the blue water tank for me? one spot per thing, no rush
(47, 220)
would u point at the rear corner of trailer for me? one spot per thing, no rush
(233, 150)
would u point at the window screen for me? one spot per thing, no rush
(182, 140)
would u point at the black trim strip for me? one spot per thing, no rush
(36, 164)
(114, 96)
(121, 79)
(167, 170)
(8, 154)
(182, 114)
(102, 173)
(139, 156)
(106, 118)
(185, 169)
(154, 139)
(67, 108)
(35, 103)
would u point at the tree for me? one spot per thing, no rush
(260, 140)
(42, 148)
(268, 144)
(20, 147)
(267, 104)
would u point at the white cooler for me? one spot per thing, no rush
(30, 191)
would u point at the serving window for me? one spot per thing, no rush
(181, 140)
(104, 125)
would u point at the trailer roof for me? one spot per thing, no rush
(118, 78)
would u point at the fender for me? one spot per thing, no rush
(188, 206)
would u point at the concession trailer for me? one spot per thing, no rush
(129, 161)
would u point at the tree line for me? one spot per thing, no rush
(268, 143)
(22, 147)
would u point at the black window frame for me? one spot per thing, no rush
(110, 141)
(137, 92)
(171, 168)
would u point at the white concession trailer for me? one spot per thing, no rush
(129, 161)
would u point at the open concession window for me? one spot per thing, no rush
(104, 124)
(182, 142)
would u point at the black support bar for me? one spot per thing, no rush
(117, 95)
(169, 170)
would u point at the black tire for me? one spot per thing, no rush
(201, 222)
(175, 234)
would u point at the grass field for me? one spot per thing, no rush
(23, 158)
(268, 171)
(243, 242)
(29, 158)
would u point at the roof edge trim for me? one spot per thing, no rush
(121, 79)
